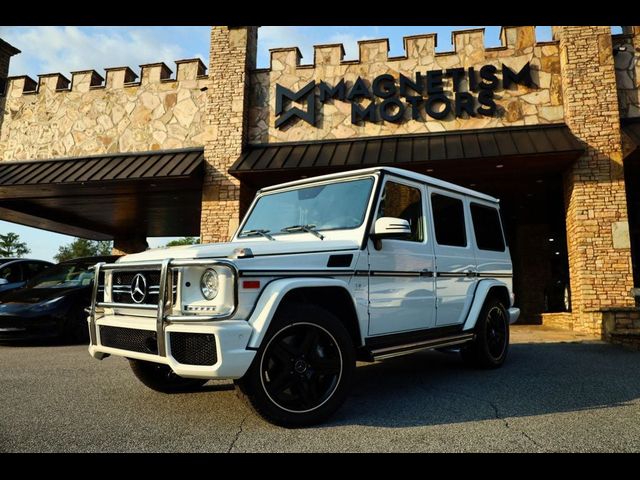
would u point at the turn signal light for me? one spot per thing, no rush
(250, 284)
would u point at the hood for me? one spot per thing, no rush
(224, 250)
(16, 300)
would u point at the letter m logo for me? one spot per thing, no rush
(283, 94)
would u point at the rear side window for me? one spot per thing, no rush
(448, 220)
(33, 268)
(486, 226)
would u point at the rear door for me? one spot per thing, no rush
(455, 260)
(492, 253)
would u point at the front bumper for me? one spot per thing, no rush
(27, 328)
(231, 338)
(514, 313)
(148, 338)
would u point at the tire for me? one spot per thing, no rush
(303, 370)
(162, 379)
(491, 345)
(75, 328)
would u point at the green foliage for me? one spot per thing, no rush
(183, 241)
(11, 246)
(82, 247)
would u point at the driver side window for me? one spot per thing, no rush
(402, 201)
(11, 273)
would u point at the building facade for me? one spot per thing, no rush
(550, 128)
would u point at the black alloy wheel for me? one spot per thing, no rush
(491, 344)
(301, 367)
(303, 370)
(496, 331)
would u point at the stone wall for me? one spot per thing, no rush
(233, 55)
(621, 326)
(58, 117)
(595, 199)
(562, 320)
(626, 51)
(518, 105)
(6, 52)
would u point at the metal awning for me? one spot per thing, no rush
(539, 148)
(100, 197)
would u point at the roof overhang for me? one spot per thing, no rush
(535, 150)
(102, 197)
(7, 47)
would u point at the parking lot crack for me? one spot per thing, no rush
(508, 426)
(238, 433)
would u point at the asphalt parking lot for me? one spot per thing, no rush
(552, 395)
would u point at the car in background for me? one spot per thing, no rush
(52, 303)
(16, 272)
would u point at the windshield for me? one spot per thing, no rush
(64, 275)
(333, 206)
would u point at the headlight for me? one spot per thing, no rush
(209, 284)
(48, 304)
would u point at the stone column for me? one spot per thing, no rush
(123, 246)
(232, 56)
(595, 199)
(6, 52)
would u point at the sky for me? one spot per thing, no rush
(65, 49)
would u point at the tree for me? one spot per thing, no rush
(81, 247)
(183, 241)
(11, 246)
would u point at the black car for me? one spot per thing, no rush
(16, 272)
(52, 303)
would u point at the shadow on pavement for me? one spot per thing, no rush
(433, 388)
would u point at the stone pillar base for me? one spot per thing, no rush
(123, 246)
(563, 320)
(621, 326)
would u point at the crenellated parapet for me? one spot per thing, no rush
(461, 71)
(88, 113)
(468, 44)
(116, 78)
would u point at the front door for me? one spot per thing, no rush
(455, 258)
(401, 282)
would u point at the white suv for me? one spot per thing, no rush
(361, 265)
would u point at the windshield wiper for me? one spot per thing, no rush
(303, 228)
(263, 233)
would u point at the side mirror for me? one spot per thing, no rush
(3, 281)
(389, 227)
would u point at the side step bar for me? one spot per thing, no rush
(397, 350)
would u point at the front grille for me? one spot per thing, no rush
(100, 292)
(122, 287)
(194, 348)
(143, 341)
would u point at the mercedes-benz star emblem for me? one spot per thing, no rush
(138, 288)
